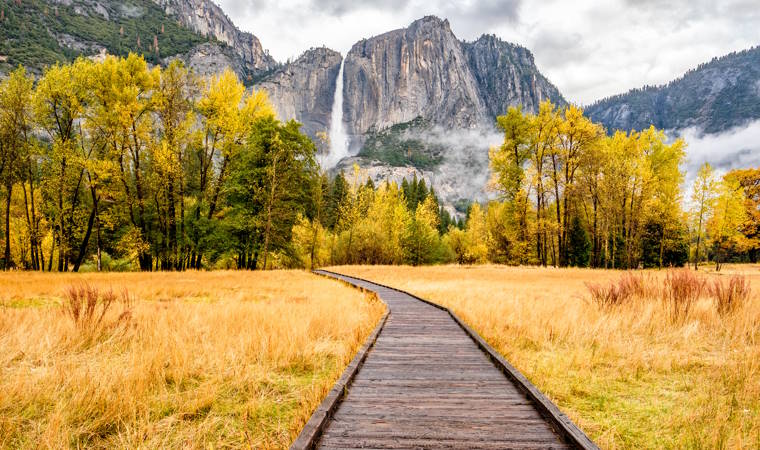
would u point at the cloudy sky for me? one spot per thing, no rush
(589, 49)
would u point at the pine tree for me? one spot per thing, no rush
(579, 245)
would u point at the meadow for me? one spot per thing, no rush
(634, 373)
(178, 360)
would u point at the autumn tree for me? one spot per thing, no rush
(60, 103)
(576, 135)
(175, 89)
(725, 221)
(15, 129)
(702, 200)
(749, 180)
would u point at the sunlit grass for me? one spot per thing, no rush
(205, 360)
(629, 376)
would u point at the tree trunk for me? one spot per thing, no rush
(268, 227)
(699, 236)
(171, 225)
(87, 234)
(7, 263)
(52, 252)
(97, 237)
(596, 235)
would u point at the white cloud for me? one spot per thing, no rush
(589, 49)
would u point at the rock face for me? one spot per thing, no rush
(714, 97)
(304, 89)
(419, 100)
(420, 71)
(208, 19)
(211, 58)
(507, 76)
(425, 71)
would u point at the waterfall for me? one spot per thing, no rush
(338, 136)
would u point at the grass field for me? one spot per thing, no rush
(187, 360)
(631, 375)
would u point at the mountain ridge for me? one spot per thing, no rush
(715, 96)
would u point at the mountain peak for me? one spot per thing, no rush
(496, 43)
(431, 20)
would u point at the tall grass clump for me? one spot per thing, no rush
(607, 295)
(729, 296)
(615, 293)
(88, 305)
(681, 291)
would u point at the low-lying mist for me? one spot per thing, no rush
(733, 149)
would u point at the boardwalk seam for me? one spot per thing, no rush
(311, 432)
(556, 418)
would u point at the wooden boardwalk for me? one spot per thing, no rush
(428, 382)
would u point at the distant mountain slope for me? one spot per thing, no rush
(419, 71)
(208, 19)
(38, 33)
(714, 97)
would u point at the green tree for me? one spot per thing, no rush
(422, 239)
(579, 245)
(266, 186)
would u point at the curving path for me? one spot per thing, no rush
(428, 381)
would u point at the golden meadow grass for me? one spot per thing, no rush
(202, 360)
(630, 376)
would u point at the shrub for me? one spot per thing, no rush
(682, 289)
(729, 296)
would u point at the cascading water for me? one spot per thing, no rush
(338, 136)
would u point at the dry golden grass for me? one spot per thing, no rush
(630, 376)
(202, 360)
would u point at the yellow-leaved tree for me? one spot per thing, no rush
(726, 220)
(702, 201)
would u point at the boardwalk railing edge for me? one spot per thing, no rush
(559, 420)
(311, 432)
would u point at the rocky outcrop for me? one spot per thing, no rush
(208, 19)
(714, 97)
(304, 89)
(380, 172)
(507, 76)
(211, 58)
(420, 71)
